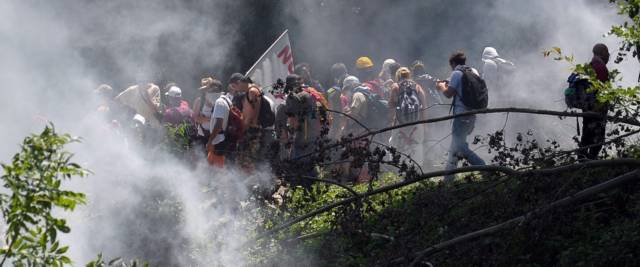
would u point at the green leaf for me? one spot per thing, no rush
(54, 247)
(114, 261)
(63, 250)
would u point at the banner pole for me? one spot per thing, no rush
(265, 53)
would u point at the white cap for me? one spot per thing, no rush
(350, 82)
(174, 91)
(387, 63)
(139, 118)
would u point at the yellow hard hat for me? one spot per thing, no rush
(364, 63)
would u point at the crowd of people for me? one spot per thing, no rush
(240, 124)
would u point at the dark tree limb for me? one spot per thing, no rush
(350, 117)
(629, 121)
(612, 140)
(425, 176)
(579, 196)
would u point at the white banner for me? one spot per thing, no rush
(276, 63)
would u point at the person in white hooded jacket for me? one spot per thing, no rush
(493, 71)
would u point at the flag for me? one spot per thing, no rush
(276, 63)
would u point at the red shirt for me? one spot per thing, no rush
(602, 72)
(177, 115)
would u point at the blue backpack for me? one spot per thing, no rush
(576, 95)
(408, 107)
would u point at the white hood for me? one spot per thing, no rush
(489, 53)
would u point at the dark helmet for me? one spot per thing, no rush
(292, 82)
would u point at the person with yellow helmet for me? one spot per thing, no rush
(365, 71)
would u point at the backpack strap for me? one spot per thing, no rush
(363, 91)
(230, 105)
(203, 102)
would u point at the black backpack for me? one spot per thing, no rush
(377, 109)
(267, 117)
(475, 94)
(409, 105)
(576, 96)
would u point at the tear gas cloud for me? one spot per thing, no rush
(142, 203)
(55, 52)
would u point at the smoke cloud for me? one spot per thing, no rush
(143, 203)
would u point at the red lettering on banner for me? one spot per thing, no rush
(287, 58)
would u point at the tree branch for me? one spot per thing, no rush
(425, 176)
(350, 117)
(629, 121)
(586, 193)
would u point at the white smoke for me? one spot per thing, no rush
(432, 30)
(53, 53)
(142, 202)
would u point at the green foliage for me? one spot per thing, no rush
(600, 232)
(624, 99)
(342, 226)
(607, 92)
(628, 31)
(178, 138)
(33, 181)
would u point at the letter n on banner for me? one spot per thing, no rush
(287, 58)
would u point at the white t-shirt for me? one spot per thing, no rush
(207, 107)
(220, 111)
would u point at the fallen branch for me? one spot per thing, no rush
(485, 111)
(612, 140)
(498, 169)
(584, 194)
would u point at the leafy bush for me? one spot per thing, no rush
(33, 180)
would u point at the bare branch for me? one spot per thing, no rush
(584, 194)
(629, 121)
(500, 169)
(350, 117)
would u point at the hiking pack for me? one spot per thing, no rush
(377, 109)
(576, 95)
(235, 125)
(376, 87)
(409, 105)
(475, 94)
(322, 106)
(266, 117)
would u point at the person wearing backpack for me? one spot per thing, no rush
(227, 124)
(336, 100)
(495, 71)
(594, 129)
(365, 72)
(304, 71)
(177, 111)
(469, 92)
(365, 108)
(210, 91)
(406, 105)
(357, 95)
(258, 118)
(304, 124)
